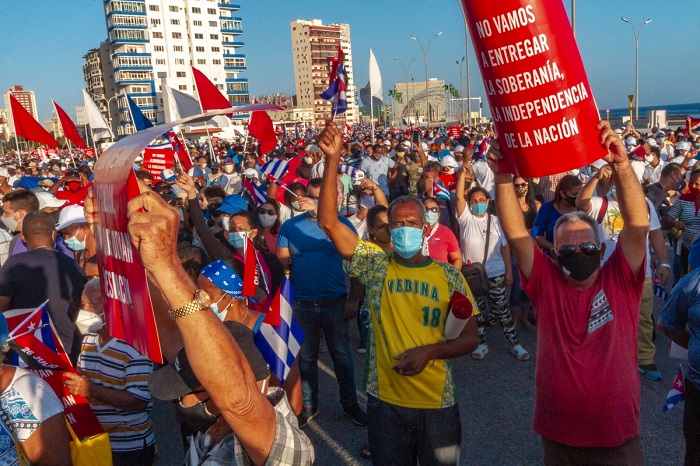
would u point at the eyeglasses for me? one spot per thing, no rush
(587, 249)
(435, 210)
(265, 211)
(520, 185)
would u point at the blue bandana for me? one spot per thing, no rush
(223, 276)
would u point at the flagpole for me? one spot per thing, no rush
(371, 110)
(19, 153)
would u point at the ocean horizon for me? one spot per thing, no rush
(677, 109)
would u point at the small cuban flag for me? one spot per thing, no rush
(347, 169)
(439, 190)
(659, 290)
(275, 168)
(675, 396)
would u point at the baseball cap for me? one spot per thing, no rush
(69, 215)
(313, 148)
(177, 379)
(449, 161)
(47, 199)
(250, 173)
(233, 204)
(683, 145)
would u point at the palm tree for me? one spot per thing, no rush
(396, 95)
(451, 90)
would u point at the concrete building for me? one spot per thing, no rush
(413, 101)
(53, 126)
(25, 98)
(99, 76)
(313, 46)
(155, 42)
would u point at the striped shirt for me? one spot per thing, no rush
(684, 210)
(119, 366)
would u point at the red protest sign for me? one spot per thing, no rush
(89, 153)
(541, 103)
(157, 160)
(454, 131)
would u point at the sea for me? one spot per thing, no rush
(679, 109)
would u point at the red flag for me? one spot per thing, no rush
(69, 129)
(210, 97)
(180, 150)
(250, 272)
(272, 316)
(260, 127)
(27, 126)
(693, 123)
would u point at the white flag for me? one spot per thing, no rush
(180, 104)
(375, 78)
(98, 125)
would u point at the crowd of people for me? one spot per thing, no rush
(383, 233)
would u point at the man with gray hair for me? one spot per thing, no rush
(587, 408)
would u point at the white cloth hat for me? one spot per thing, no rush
(449, 161)
(652, 142)
(70, 215)
(48, 200)
(683, 145)
(250, 173)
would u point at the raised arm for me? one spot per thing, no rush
(460, 202)
(343, 237)
(421, 153)
(630, 198)
(583, 200)
(510, 215)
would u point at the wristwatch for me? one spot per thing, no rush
(668, 266)
(200, 302)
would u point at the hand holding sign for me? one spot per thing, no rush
(612, 142)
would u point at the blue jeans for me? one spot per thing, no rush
(406, 436)
(328, 319)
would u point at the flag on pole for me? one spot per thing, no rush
(375, 78)
(276, 168)
(139, 120)
(98, 125)
(27, 127)
(210, 97)
(260, 127)
(439, 190)
(347, 169)
(675, 396)
(694, 121)
(69, 129)
(280, 336)
(336, 93)
(255, 192)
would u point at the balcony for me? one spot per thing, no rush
(229, 6)
(233, 44)
(234, 68)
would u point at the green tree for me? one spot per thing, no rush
(451, 90)
(396, 95)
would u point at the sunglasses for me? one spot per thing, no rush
(265, 211)
(520, 185)
(435, 210)
(587, 249)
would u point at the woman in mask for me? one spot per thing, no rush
(440, 243)
(564, 202)
(114, 379)
(269, 217)
(483, 241)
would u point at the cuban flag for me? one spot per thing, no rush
(347, 169)
(280, 336)
(675, 396)
(659, 290)
(336, 92)
(439, 190)
(255, 192)
(275, 168)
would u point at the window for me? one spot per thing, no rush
(158, 48)
(180, 74)
(179, 61)
(182, 87)
(199, 36)
(201, 62)
(211, 11)
(213, 24)
(153, 7)
(177, 35)
(216, 49)
(196, 23)
(214, 36)
(155, 21)
(160, 61)
(199, 49)
(216, 62)
(177, 48)
(157, 35)
(174, 9)
(175, 21)
(196, 10)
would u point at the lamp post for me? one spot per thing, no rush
(426, 51)
(636, 34)
(405, 75)
(461, 86)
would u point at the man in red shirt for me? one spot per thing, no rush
(587, 408)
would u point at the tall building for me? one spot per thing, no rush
(98, 75)
(153, 43)
(413, 101)
(25, 98)
(313, 46)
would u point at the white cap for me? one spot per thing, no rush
(250, 173)
(459, 148)
(449, 161)
(631, 141)
(312, 148)
(69, 215)
(618, 131)
(652, 142)
(48, 200)
(683, 145)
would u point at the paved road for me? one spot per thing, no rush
(496, 399)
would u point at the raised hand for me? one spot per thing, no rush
(331, 140)
(611, 141)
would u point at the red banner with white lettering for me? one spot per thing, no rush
(454, 131)
(36, 342)
(157, 160)
(541, 103)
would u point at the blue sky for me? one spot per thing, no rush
(43, 43)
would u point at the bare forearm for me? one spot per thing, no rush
(508, 211)
(463, 344)
(656, 238)
(583, 200)
(117, 398)
(679, 337)
(630, 196)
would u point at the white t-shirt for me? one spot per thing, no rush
(231, 183)
(286, 213)
(377, 171)
(638, 167)
(360, 226)
(472, 240)
(652, 174)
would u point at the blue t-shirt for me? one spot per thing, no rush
(317, 266)
(683, 308)
(377, 170)
(546, 218)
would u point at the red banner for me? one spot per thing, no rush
(541, 103)
(157, 160)
(89, 153)
(454, 131)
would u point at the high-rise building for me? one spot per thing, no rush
(25, 98)
(313, 46)
(153, 43)
(98, 75)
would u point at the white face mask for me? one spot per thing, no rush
(649, 158)
(308, 160)
(10, 223)
(660, 141)
(88, 322)
(228, 169)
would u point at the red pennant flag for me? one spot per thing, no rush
(260, 127)
(250, 272)
(69, 129)
(272, 316)
(210, 97)
(26, 126)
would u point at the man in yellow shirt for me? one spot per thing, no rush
(411, 407)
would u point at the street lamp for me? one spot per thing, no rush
(405, 75)
(461, 86)
(636, 60)
(425, 57)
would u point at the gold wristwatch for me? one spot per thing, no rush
(200, 302)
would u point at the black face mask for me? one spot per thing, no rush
(212, 208)
(197, 416)
(571, 200)
(680, 184)
(578, 265)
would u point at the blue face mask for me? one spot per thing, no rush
(215, 307)
(237, 239)
(431, 217)
(407, 241)
(74, 244)
(479, 209)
